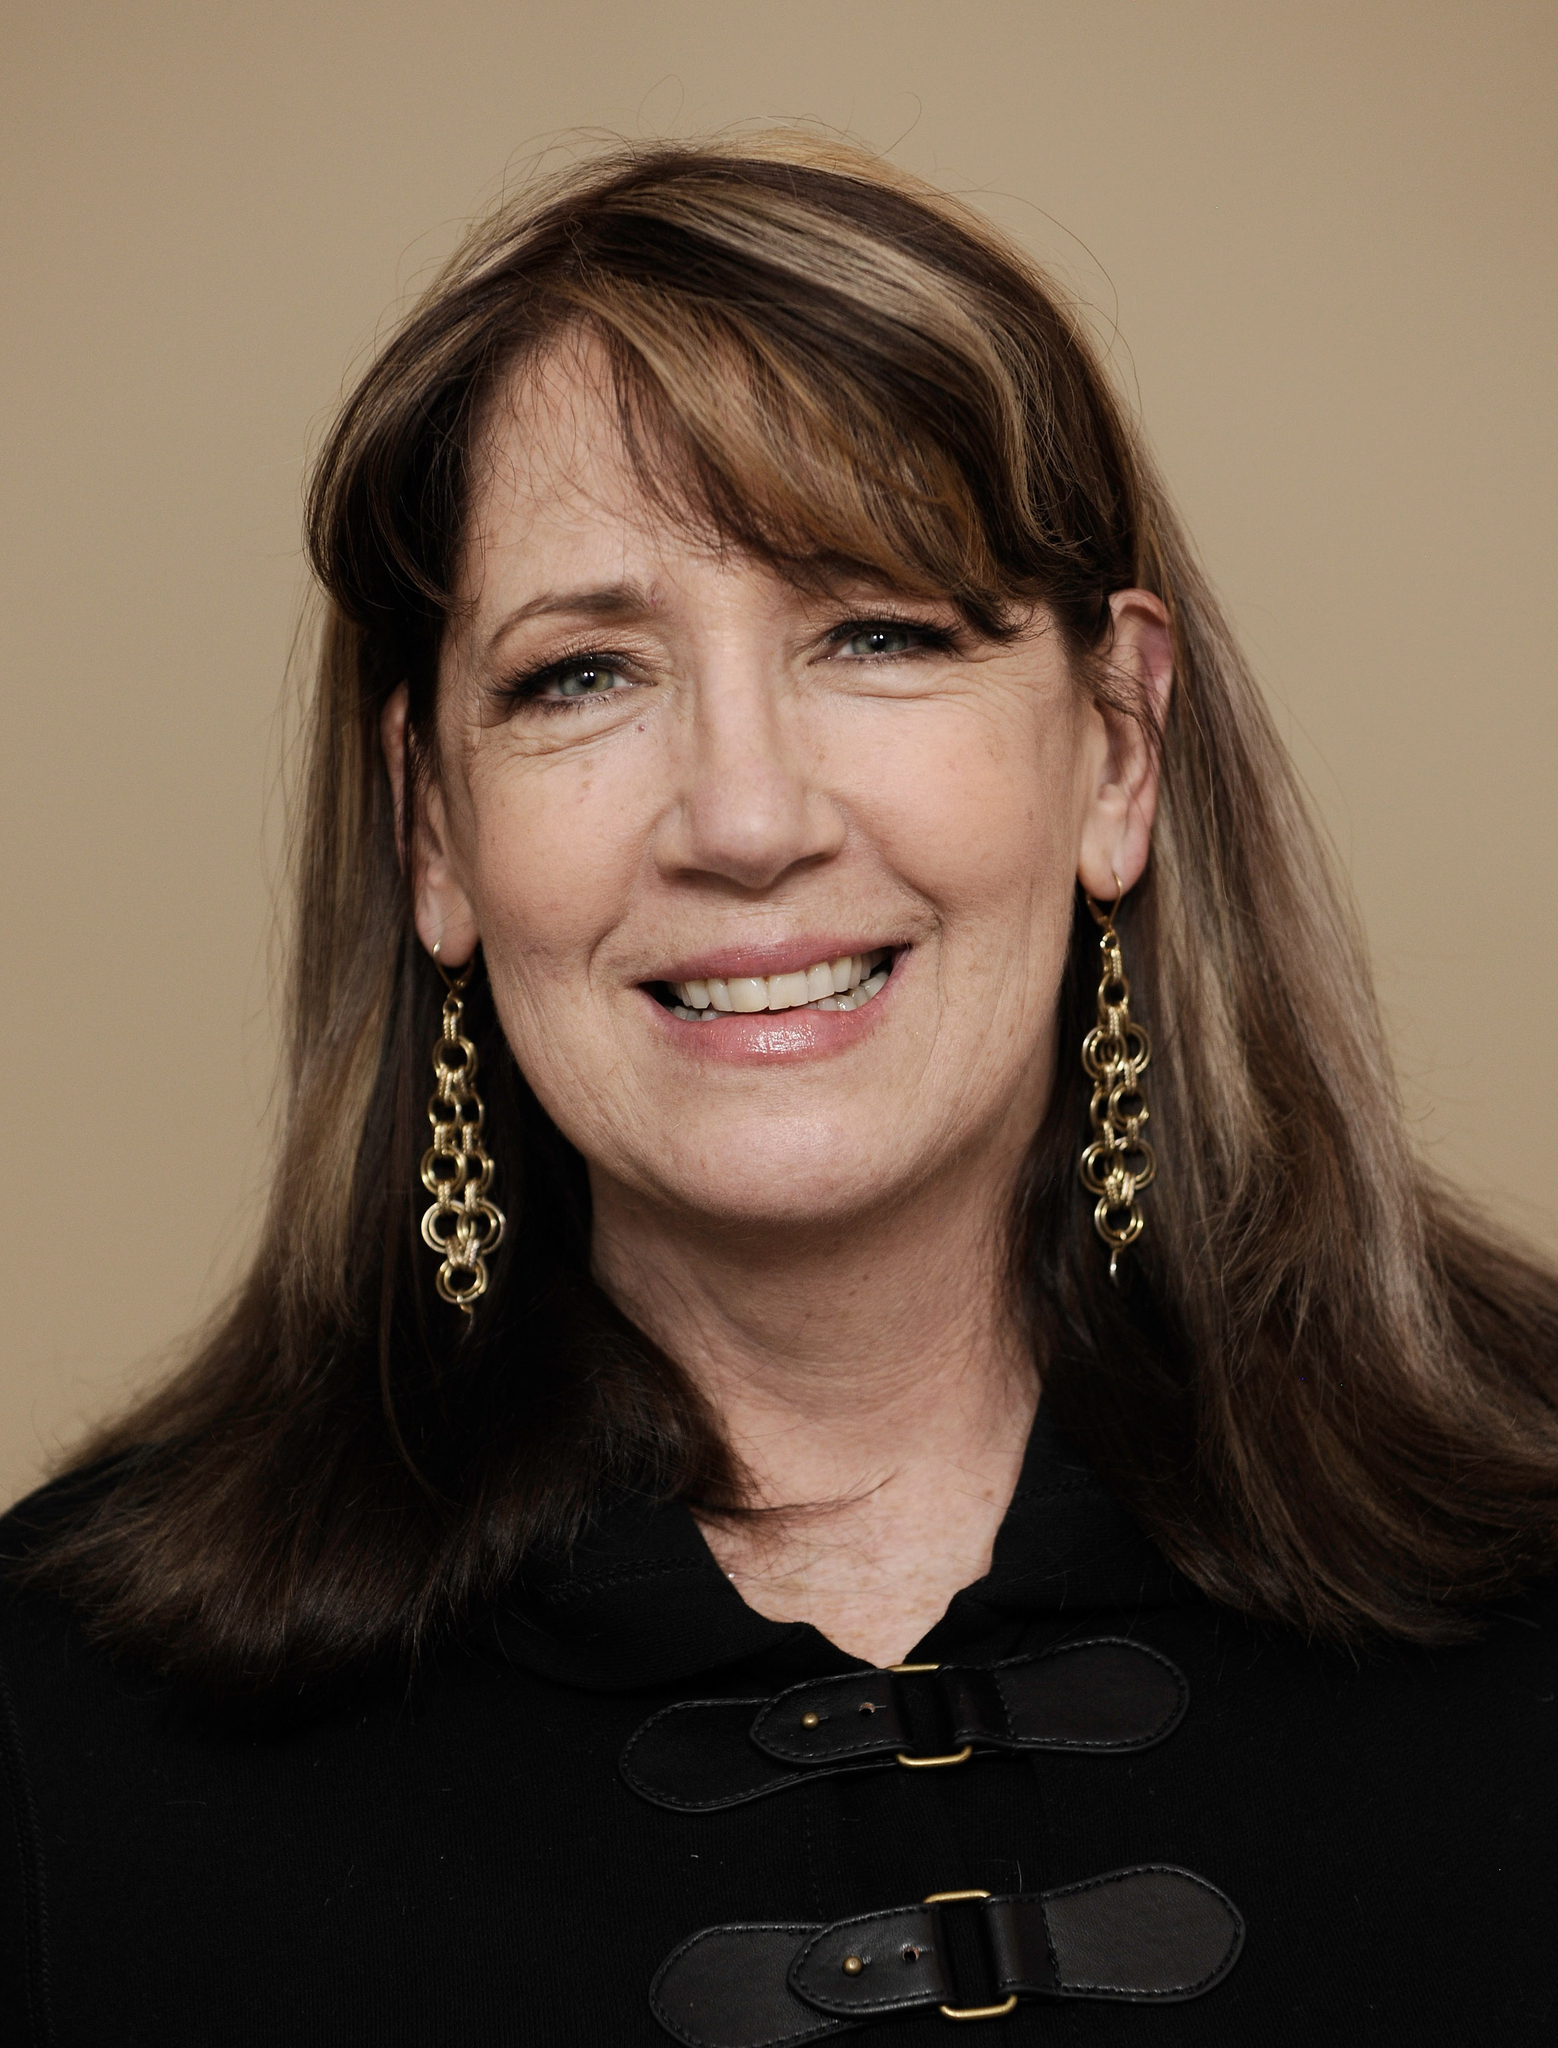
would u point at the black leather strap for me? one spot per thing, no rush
(1106, 1694)
(1153, 1935)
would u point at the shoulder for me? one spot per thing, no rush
(56, 1704)
(57, 1687)
(72, 1714)
(44, 1516)
(38, 1625)
(36, 1622)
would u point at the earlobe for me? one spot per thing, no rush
(441, 909)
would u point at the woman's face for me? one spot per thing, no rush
(670, 783)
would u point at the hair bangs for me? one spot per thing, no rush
(749, 446)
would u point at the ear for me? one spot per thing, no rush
(1119, 809)
(443, 912)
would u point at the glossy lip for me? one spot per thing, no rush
(757, 1038)
(779, 956)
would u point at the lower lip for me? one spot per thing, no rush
(762, 1036)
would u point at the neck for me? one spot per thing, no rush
(869, 1376)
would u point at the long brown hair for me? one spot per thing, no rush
(1326, 1390)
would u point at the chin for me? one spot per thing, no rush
(763, 1187)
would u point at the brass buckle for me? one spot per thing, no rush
(969, 2012)
(931, 1763)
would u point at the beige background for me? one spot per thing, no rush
(1324, 232)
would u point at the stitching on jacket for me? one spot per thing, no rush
(29, 1849)
(1091, 1884)
(867, 1744)
(827, 2024)
(1049, 1943)
(993, 1673)
(648, 1790)
(1073, 1742)
(1052, 1487)
(874, 2007)
(615, 1575)
(880, 1744)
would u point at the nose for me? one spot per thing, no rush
(749, 806)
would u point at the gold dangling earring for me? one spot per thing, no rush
(1119, 1162)
(462, 1226)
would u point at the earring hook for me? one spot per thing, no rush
(456, 981)
(1102, 917)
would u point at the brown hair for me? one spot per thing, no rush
(1326, 1391)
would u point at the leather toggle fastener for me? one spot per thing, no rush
(1151, 1935)
(1105, 1695)
(925, 1763)
(970, 2012)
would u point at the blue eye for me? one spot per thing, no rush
(880, 640)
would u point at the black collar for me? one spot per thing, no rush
(641, 1602)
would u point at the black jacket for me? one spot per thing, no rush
(1299, 1847)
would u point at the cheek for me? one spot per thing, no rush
(982, 820)
(552, 856)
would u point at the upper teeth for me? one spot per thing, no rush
(840, 984)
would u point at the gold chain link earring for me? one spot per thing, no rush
(462, 1226)
(1118, 1163)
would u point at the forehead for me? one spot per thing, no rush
(558, 501)
(561, 526)
(585, 470)
(550, 465)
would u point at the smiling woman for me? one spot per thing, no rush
(806, 943)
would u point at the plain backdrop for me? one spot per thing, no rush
(1317, 239)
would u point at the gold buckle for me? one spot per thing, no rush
(931, 1763)
(969, 2012)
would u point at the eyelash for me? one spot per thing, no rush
(526, 688)
(930, 639)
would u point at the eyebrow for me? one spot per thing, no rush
(608, 601)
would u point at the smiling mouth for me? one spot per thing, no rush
(848, 983)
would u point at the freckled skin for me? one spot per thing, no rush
(813, 1235)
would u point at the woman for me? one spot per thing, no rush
(608, 1577)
